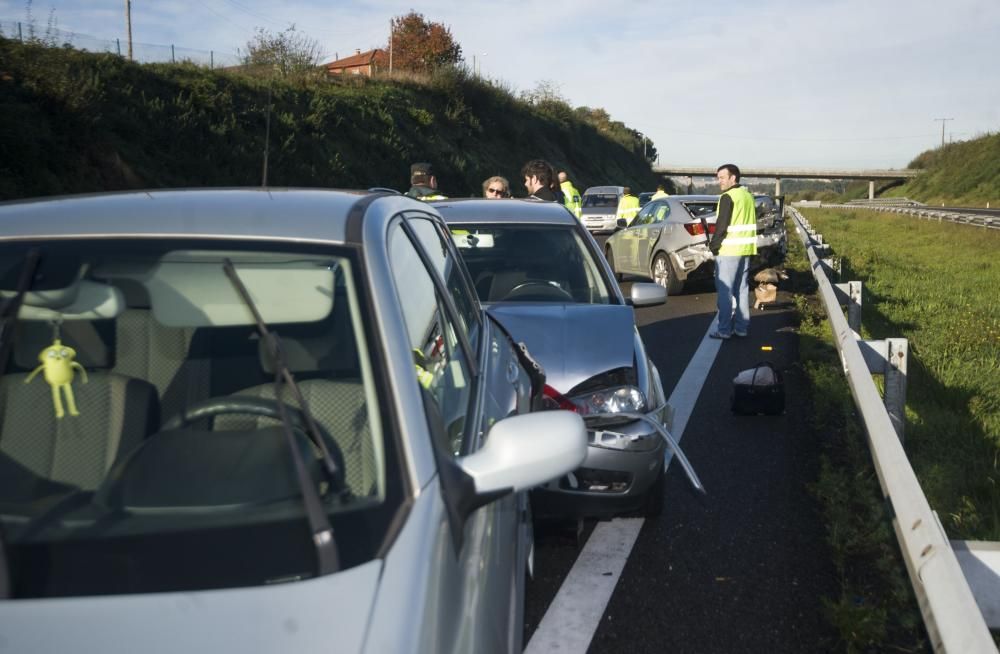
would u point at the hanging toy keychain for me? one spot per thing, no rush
(57, 364)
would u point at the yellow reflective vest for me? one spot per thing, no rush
(741, 235)
(660, 194)
(628, 207)
(571, 198)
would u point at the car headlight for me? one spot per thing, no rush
(611, 400)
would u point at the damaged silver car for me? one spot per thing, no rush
(541, 275)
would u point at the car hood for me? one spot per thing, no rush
(327, 614)
(572, 342)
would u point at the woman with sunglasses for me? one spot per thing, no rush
(496, 188)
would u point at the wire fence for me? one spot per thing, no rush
(146, 53)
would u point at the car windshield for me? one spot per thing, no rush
(531, 263)
(600, 200)
(142, 448)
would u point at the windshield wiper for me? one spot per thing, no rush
(319, 522)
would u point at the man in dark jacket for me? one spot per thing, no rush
(733, 244)
(538, 177)
(423, 183)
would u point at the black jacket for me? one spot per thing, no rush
(722, 223)
(543, 194)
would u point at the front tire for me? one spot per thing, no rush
(664, 275)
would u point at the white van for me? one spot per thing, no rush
(600, 208)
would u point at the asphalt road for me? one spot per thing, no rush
(744, 568)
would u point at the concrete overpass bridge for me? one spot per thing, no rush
(778, 174)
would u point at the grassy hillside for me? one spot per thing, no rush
(965, 173)
(80, 122)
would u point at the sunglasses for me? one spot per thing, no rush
(496, 191)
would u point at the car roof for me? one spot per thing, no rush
(268, 213)
(593, 190)
(695, 198)
(476, 210)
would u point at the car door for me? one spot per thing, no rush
(479, 591)
(629, 240)
(650, 232)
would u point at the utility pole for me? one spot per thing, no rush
(128, 25)
(943, 121)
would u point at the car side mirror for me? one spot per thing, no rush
(647, 295)
(621, 223)
(525, 451)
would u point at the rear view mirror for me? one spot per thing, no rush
(622, 223)
(525, 451)
(648, 295)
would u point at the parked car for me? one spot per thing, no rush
(298, 431)
(668, 241)
(600, 208)
(542, 276)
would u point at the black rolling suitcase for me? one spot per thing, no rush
(759, 390)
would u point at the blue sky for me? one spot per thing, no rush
(855, 83)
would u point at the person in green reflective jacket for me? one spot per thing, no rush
(732, 244)
(628, 206)
(571, 196)
(423, 183)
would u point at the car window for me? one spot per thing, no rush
(434, 242)
(164, 449)
(645, 215)
(531, 263)
(698, 209)
(661, 212)
(439, 364)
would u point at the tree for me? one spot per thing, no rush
(420, 45)
(286, 54)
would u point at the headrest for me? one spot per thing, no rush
(305, 350)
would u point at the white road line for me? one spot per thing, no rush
(570, 623)
(688, 387)
(571, 620)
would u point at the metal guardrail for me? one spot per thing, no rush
(928, 213)
(887, 202)
(953, 620)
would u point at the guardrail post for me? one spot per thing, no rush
(895, 382)
(850, 294)
(888, 357)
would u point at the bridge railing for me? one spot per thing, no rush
(951, 615)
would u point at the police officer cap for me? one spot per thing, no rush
(421, 169)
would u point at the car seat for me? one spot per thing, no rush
(116, 412)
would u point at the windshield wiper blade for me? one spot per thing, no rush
(319, 522)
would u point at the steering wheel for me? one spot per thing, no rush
(258, 406)
(536, 289)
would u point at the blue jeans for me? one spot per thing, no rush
(732, 287)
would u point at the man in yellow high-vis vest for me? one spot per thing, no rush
(734, 242)
(628, 206)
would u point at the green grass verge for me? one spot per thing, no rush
(875, 609)
(938, 285)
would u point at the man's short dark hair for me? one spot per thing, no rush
(732, 168)
(541, 169)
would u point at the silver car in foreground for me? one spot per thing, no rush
(259, 421)
(668, 240)
(542, 276)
